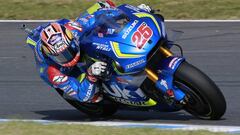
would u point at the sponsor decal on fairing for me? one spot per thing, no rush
(137, 63)
(116, 91)
(141, 37)
(132, 26)
(102, 47)
(126, 101)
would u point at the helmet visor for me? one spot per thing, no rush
(66, 55)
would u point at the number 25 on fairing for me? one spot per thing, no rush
(142, 35)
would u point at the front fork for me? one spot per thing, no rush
(164, 77)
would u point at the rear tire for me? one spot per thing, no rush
(205, 100)
(102, 109)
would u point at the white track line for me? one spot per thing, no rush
(187, 127)
(15, 21)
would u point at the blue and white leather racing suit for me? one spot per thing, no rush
(74, 82)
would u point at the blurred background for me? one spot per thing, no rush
(171, 9)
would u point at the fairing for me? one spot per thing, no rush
(121, 46)
(129, 58)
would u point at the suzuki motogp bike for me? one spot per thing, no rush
(143, 72)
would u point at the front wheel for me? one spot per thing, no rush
(203, 98)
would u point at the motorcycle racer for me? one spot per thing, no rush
(124, 55)
(60, 61)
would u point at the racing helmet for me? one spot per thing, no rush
(59, 45)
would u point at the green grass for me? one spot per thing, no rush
(171, 9)
(26, 128)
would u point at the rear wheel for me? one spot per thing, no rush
(204, 99)
(103, 109)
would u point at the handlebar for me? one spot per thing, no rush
(26, 29)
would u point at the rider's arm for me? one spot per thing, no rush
(84, 88)
(81, 90)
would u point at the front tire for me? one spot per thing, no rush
(104, 108)
(204, 98)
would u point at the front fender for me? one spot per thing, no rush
(166, 76)
(170, 64)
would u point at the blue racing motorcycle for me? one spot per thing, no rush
(143, 72)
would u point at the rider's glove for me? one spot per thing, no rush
(97, 69)
(145, 7)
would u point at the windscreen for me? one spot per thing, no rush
(109, 26)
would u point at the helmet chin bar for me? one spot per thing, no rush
(73, 62)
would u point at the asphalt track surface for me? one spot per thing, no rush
(212, 47)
